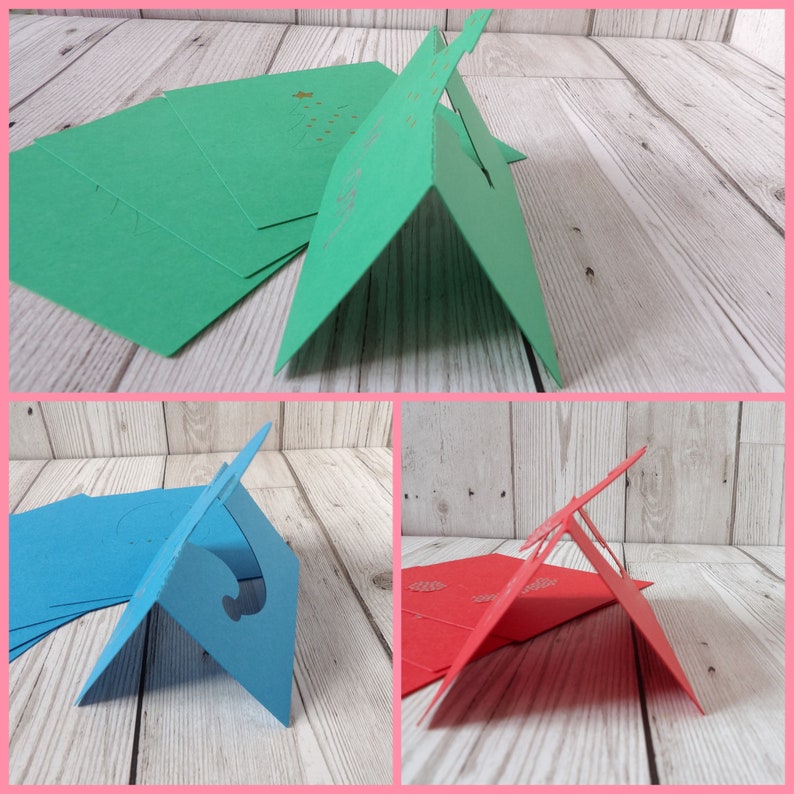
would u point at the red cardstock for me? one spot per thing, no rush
(443, 603)
(618, 583)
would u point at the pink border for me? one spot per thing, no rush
(397, 399)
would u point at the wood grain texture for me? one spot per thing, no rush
(428, 550)
(668, 23)
(353, 502)
(395, 18)
(568, 21)
(312, 47)
(382, 337)
(562, 449)
(64, 353)
(313, 425)
(681, 490)
(27, 433)
(21, 475)
(50, 740)
(536, 695)
(763, 422)
(544, 55)
(725, 622)
(726, 103)
(637, 270)
(239, 743)
(105, 429)
(220, 426)
(699, 481)
(266, 470)
(457, 469)
(125, 13)
(272, 15)
(19, 21)
(723, 614)
(42, 50)
(430, 318)
(759, 32)
(61, 479)
(663, 553)
(759, 512)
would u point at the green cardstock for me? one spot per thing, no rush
(145, 156)
(78, 245)
(136, 230)
(403, 150)
(273, 139)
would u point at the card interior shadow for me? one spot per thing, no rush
(425, 292)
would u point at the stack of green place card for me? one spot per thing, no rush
(155, 220)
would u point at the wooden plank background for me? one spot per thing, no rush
(686, 23)
(757, 32)
(80, 429)
(713, 472)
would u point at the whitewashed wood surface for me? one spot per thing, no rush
(682, 23)
(713, 472)
(75, 429)
(168, 713)
(759, 33)
(568, 707)
(662, 270)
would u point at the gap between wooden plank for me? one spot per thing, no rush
(760, 564)
(737, 450)
(653, 771)
(136, 731)
(684, 131)
(339, 561)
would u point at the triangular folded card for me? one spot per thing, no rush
(624, 590)
(195, 587)
(403, 151)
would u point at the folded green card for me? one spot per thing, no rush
(405, 149)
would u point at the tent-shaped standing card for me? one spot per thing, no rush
(403, 151)
(622, 588)
(199, 590)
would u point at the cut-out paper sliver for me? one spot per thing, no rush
(403, 151)
(190, 583)
(627, 593)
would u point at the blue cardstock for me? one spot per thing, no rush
(191, 583)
